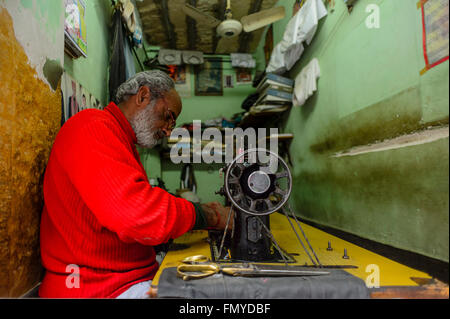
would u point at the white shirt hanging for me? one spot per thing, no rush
(300, 28)
(306, 83)
(276, 63)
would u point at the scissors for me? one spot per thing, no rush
(196, 267)
(199, 266)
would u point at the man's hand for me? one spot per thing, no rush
(217, 215)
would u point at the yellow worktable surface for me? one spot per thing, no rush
(391, 273)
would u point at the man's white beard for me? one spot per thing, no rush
(143, 126)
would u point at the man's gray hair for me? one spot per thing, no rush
(157, 81)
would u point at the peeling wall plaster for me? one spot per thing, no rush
(39, 29)
(30, 114)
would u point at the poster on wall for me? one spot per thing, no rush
(95, 104)
(85, 99)
(75, 38)
(181, 76)
(208, 78)
(243, 76)
(435, 32)
(71, 96)
(228, 82)
(75, 98)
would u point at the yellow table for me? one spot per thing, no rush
(394, 277)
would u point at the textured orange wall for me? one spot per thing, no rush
(30, 114)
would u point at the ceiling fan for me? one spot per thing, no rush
(229, 28)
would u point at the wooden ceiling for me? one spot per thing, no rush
(164, 24)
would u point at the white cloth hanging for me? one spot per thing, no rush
(300, 28)
(276, 64)
(128, 13)
(306, 83)
(292, 55)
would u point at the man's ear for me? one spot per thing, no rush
(143, 97)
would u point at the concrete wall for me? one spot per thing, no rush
(370, 153)
(31, 46)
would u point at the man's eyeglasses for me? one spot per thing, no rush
(170, 119)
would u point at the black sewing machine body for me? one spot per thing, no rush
(254, 190)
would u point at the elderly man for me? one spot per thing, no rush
(101, 217)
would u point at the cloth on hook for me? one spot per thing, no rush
(292, 55)
(305, 83)
(117, 64)
(276, 63)
(130, 68)
(129, 15)
(301, 28)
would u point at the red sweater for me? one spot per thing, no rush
(101, 214)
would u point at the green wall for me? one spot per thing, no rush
(92, 72)
(370, 90)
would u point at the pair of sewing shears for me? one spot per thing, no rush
(199, 266)
(196, 267)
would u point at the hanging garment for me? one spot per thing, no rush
(117, 65)
(301, 28)
(305, 83)
(130, 68)
(292, 55)
(129, 15)
(137, 37)
(276, 63)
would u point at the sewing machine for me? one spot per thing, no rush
(257, 183)
(257, 186)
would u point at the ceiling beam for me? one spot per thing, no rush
(191, 28)
(220, 14)
(245, 38)
(168, 27)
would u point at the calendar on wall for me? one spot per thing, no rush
(75, 38)
(435, 32)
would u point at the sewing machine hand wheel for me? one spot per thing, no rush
(258, 182)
